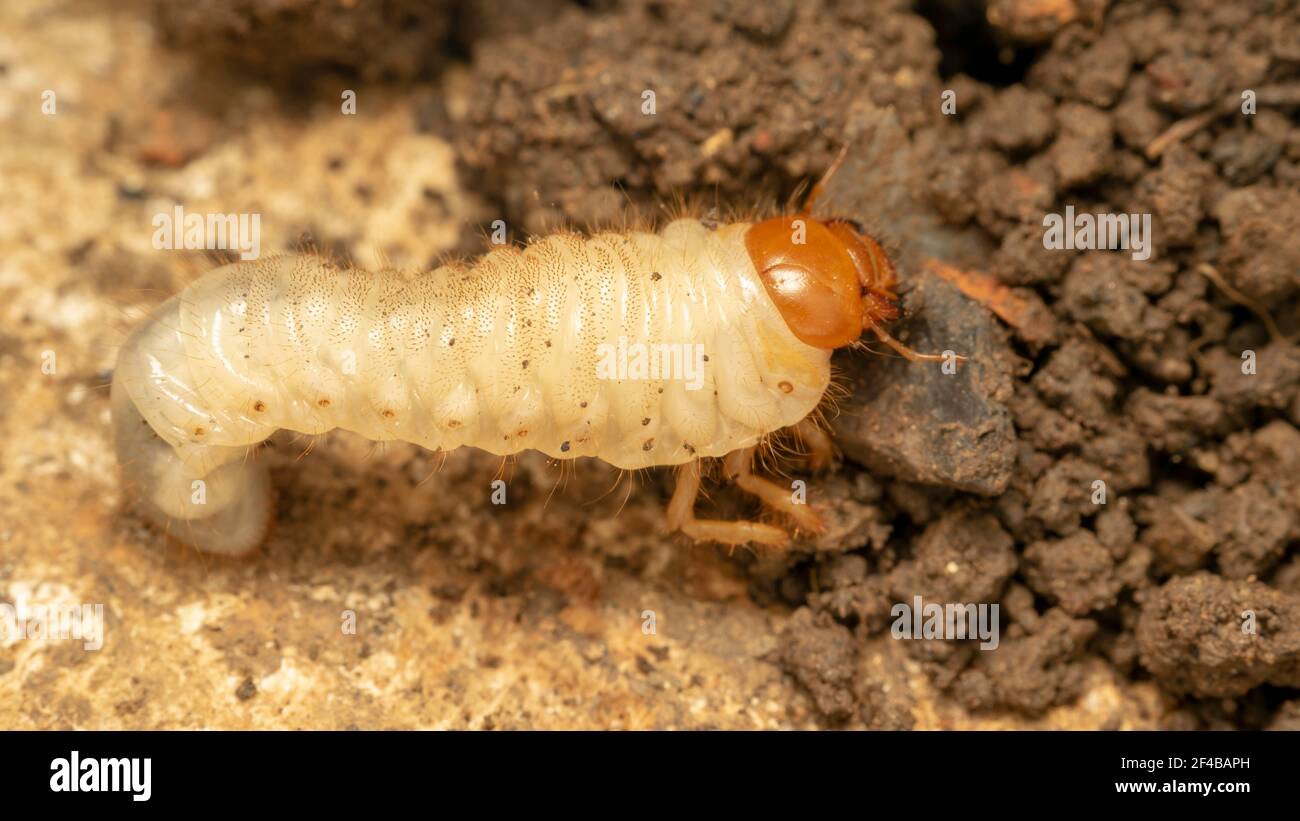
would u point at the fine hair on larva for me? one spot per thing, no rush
(636, 347)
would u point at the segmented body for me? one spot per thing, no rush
(513, 352)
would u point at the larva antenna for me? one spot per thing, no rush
(820, 186)
(906, 352)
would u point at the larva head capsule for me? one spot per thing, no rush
(829, 279)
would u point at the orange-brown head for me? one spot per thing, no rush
(828, 278)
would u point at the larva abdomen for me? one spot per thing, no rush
(529, 348)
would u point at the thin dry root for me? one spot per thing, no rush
(820, 187)
(1005, 302)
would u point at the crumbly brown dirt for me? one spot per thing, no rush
(1175, 603)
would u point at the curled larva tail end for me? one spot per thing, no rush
(235, 531)
(227, 511)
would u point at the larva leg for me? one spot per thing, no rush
(821, 450)
(681, 516)
(738, 468)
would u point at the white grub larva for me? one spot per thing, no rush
(509, 353)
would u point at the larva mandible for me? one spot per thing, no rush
(502, 355)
